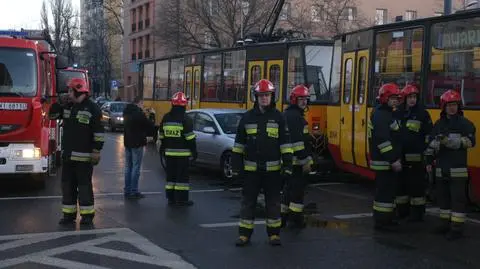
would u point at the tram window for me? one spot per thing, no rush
(161, 81)
(255, 74)
(336, 73)
(212, 75)
(234, 73)
(318, 59)
(196, 84)
(362, 81)
(455, 61)
(398, 59)
(176, 75)
(274, 74)
(188, 83)
(295, 69)
(148, 70)
(347, 81)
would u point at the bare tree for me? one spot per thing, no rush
(326, 18)
(113, 8)
(199, 24)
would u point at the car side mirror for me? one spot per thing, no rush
(209, 130)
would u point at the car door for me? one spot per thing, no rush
(207, 143)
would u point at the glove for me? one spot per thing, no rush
(95, 157)
(397, 166)
(453, 143)
(306, 168)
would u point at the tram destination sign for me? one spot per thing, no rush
(459, 39)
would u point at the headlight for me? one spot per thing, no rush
(34, 153)
(120, 118)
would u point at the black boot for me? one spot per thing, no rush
(87, 220)
(284, 217)
(274, 240)
(242, 241)
(67, 219)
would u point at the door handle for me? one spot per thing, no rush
(342, 120)
(363, 122)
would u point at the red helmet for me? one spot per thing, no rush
(409, 89)
(386, 91)
(78, 84)
(179, 99)
(299, 91)
(450, 96)
(264, 86)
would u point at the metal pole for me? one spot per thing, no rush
(447, 7)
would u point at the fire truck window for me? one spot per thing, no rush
(455, 61)
(212, 78)
(148, 70)
(347, 81)
(398, 59)
(18, 72)
(161, 80)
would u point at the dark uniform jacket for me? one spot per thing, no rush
(446, 158)
(262, 142)
(176, 134)
(384, 138)
(299, 135)
(83, 132)
(136, 127)
(415, 128)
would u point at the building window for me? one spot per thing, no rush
(315, 13)
(410, 15)
(380, 16)
(349, 13)
(285, 14)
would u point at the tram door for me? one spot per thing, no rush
(192, 85)
(268, 69)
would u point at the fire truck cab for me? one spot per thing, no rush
(28, 139)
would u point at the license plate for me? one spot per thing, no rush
(23, 168)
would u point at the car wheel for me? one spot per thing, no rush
(226, 166)
(163, 161)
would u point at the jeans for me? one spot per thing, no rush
(133, 162)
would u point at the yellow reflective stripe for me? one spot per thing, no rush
(181, 187)
(296, 207)
(170, 185)
(383, 207)
(251, 129)
(414, 125)
(458, 217)
(172, 130)
(238, 148)
(84, 113)
(459, 172)
(379, 165)
(190, 136)
(250, 166)
(80, 156)
(178, 152)
(297, 146)
(247, 224)
(418, 201)
(87, 210)
(274, 223)
(466, 142)
(385, 146)
(69, 209)
(80, 159)
(304, 161)
(272, 132)
(401, 200)
(99, 137)
(286, 148)
(386, 149)
(305, 129)
(395, 126)
(445, 213)
(273, 166)
(414, 157)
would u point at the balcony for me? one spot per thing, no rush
(147, 53)
(140, 55)
(134, 27)
(147, 23)
(140, 25)
(134, 57)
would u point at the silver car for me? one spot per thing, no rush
(215, 130)
(112, 114)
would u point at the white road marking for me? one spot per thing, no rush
(107, 194)
(154, 254)
(122, 172)
(228, 224)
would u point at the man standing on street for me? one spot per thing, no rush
(136, 129)
(83, 138)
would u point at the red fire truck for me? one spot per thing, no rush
(28, 72)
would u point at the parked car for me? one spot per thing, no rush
(215, 130)
(112, 115)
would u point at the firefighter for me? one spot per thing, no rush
(83, 138)
(416, 126)
(293, 194)
(451, 137)
(178, 143)
(385, 150)
(261, 145)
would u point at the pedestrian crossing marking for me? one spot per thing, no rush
(154, 255)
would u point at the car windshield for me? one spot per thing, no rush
(18, 72)
(117, 107)
(64, 76)
(229, 122)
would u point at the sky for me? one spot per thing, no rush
(16, 14)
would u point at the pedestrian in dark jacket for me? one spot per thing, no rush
(136, 128)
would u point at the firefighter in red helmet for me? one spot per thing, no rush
(294, 188)
(262, 151)
(451, 137)
(416, 126)
(178, 143)
(385, 150)
(83, 138)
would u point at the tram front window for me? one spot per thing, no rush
(318, 60)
